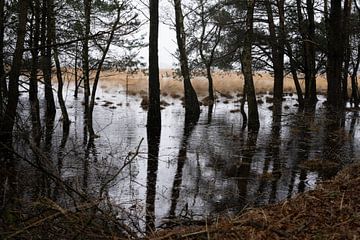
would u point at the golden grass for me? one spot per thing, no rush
(229, 82)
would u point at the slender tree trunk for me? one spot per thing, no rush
(277, 47)
(253, 115)
(8, 122)
(98, 72)
(347, 48)
(211, 84)
(335, 56)
(76, 72)
(52, 29)
(154, 115)
(46, 58)
(308, 52)
(354, 82)
(86, 68)
(33, 88)
(192, 107)
(293, 68)
(310, 85)
(3, 87)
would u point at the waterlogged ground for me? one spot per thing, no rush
(213, 168)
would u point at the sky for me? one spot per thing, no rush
(167, 47)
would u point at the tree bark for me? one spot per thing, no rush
(253, 115)
(308, 50)
(33, 88)
(310, 84)
(277, 47)
(347, 48)
(8, 122)
(354, 82)
(154, 115)
(52, 29)
(293, 68)
(335, 56)
(98, 72)
(192, 107)
(46, 58)
(86, 68)
(3, 87)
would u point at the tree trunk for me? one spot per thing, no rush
(277, 47)
(3, 87)
(347, 48)
(308, 52)
(76, 72)
(8, 122)
(33, 88)
(293, 68)
(354, 82)
(192, 107)
(154, 115)
(46, 58)
(98, 72)
(253, 115)
(211, 84)
(86, 68)
(52, 29)
(310, 85)
(335, 56)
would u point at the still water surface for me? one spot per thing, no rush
(212, 168)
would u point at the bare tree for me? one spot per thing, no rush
(8, 121)
(192, 108)
(246, 60)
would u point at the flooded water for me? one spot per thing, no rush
(201, 171)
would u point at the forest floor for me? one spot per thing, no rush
(331, 211)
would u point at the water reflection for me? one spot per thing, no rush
(199, 171)
(181, 159)
(153, 140)
(301, 143)
(243, 167)
(272, 155)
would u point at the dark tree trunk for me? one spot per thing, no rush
(310, 84)
(98, 72)
(293, 68)
(86, 68)
(277, 47)
(154, 115)
(76, 72)
(354, 83)
(347, 48)
(46, 58)
(307, 31)
(3, 87)
(52, 29)
(211, 84)
(33, 88)
(8, 121)
(192, 107)
(253, 115)
(335, 56)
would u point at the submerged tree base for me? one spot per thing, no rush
(331, 211)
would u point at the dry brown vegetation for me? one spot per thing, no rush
(331, 211)
(229, 82)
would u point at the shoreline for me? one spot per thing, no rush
(330, 211)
